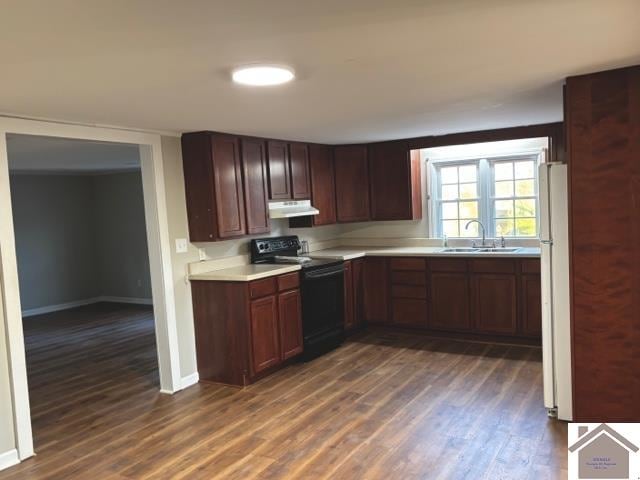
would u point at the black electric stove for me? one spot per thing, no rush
(322, 289)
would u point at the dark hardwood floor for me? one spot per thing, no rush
(383, 406)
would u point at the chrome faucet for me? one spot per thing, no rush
(483, 244)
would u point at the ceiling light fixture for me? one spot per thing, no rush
(263, 75)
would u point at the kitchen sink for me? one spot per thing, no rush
(498, 250)
(459, 250)
(479, 250)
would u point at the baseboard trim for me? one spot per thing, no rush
(87, 301)
(9, 459)
(137, 301)
(189, 380)
(61, 306)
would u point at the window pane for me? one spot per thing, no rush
(503, 170)
(450, 228)
(504, 189)
(526, 227)
(524, 169)
(504, 208)
(472, 231)
(525, 188)
(525, 208)
(449, 210)
(504, 227)
(449, 175)
(449, 192)
(468, 173)
(469, 210)
(468, 190)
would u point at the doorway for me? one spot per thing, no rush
(150, 158)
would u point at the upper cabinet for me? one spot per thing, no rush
(395, 181)
(352, 183)
(256, 191)
(299, 163)
(213, 185)
(279, 170)
(323, 190)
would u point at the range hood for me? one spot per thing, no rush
(292, 208)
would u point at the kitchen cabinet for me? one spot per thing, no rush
(289, 308)
(530, 299)
(300, 176)
(603, 135)
(256, 190)
(279, 170)
(408, 292)
(352, 183)
(376, 290)
(265, 337)
(395, 181)
(323, 192)
(245, 330)
(449, 301)
(349, 319)
(357, 267)
(213, 186)
(493, 295)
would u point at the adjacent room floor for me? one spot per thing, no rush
(388, 406)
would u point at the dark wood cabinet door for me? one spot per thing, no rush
(494, 303)
(349, 321)
(198, 184)
(449, 301)
(254, 166)
(299, 161)
(376, 290)
(265, 337)
(409, 312)
(228, 188)
(530, 306)
(395, 182)
(279, 170)
(603, 133)
(323, 191)
(290, 323)
(357, 272)
(352, 183)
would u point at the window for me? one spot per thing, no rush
(501, 192)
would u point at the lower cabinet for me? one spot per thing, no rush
(244, 330)
(265, 337)
(289, 308)
(479, 296)
(353, 294)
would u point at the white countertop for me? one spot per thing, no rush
(245, 273)
(349, 253)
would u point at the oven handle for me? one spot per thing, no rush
(324, 273)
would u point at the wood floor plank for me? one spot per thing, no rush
(385, 405)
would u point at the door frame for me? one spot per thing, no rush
(157, 227)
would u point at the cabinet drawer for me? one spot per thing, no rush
(408, 291)
(409, 312)
(530, 265)
(417, 264)
(288, 281)
(409, 278)
(263, 287)
(493, 265)
(448, 264)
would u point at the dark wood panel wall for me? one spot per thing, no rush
(603, 133)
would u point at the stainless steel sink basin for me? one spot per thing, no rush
(498, 250)
(459, 250)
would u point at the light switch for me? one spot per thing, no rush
(181, 245)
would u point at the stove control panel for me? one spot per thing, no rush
(264, 248)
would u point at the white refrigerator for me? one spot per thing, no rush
(554, 256)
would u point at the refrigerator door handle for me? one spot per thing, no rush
(546, 242)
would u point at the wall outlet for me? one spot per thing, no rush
(181, 245)
(202, 254)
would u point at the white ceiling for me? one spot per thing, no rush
(30, 153)
(367, 69)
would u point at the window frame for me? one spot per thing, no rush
(486, 189)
